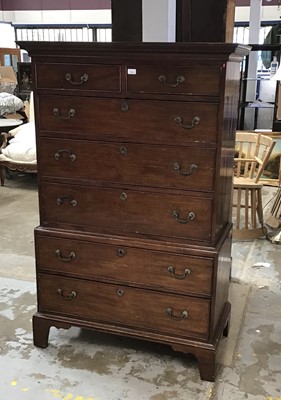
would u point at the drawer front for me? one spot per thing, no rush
(104, 78)
(197, 80)
(161, 271)
(121, 305)
(131, 120)
(179, 216)
(168, 167)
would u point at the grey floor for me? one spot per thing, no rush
(83, 365)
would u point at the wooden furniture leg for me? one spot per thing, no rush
(41, 329)
(2, 174)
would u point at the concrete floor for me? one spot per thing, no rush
(83, 365)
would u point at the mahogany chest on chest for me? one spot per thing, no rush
(135, 153)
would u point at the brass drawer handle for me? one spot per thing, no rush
(69, 258)
(183, 314)
(83, 79)
(71, 295)
(194, 122)
(71, 114)
(172, 269)
(70, 200)
(189, 171)
(68, 153)
(179, 79)
(121, 252)
(189, 218)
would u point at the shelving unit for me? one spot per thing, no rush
(263, 113)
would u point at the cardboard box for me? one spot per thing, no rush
(8, 80)
(7, 74)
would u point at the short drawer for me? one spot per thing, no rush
(132, 266)
(173, 167)
(127, 211)
(104, 78)
(191, 80)
(121, 305)
(130, 120)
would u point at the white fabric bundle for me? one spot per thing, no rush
(23, 146)
(9, 103)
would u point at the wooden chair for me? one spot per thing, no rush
(7, 165)
(252, 153)
(274, 217)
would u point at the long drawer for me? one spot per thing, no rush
(156, 166)
(106, 78)
(131, 120)
(154, 269)
(127, 211)
(121, 305)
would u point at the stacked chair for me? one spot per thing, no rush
(252, 153)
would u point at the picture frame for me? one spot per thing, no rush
(24, 77)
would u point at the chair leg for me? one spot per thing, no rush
(274, 218)
(259, 206)
(254, 208)
(238, 209)
(246, 205)
(249, 201)
(2, 174)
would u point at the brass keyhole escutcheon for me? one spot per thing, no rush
(123, 150)
(120, 292)
(121, 252)
(123, 196)
(124, 106)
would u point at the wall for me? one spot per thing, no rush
(81, 11)
(269, 13)
(243, 3)
(12, 5)
(55, 12)
(7, 35)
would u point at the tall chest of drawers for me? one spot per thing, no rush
(135, 151)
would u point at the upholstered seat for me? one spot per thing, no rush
(18, 150)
